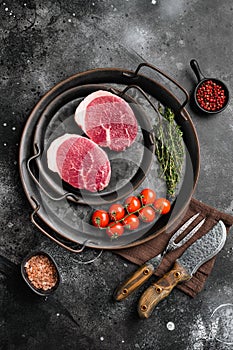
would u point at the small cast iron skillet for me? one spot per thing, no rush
(9, 269)
(201, 80)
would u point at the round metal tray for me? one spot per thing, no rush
(70, 235)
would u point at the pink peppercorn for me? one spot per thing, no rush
(211, 96)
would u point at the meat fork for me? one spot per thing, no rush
(144, 272)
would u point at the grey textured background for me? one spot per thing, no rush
(44, 42)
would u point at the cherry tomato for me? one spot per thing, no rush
(148, 196)
(100, 218)
(131, 222)
(132, 204)
(114, 230)
(147, 214)
(162, 205)
(116, 212)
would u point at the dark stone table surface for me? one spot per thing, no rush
(45, 42)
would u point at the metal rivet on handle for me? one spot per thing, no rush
(143, 308)
(177, 274)
(146, 271)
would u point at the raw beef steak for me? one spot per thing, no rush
(107, 120)
(80, 162)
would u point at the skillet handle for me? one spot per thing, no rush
(196, 69)
(56, 240)
(65, 195)
(145, 64)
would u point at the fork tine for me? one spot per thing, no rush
(190, 234)
(183, 227)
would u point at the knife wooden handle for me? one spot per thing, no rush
(134, 281)
(161, 289)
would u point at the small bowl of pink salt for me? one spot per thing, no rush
(40, 272)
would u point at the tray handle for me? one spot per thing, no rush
(73, 250)
(148, 65)
(65, 195)
(142, 92)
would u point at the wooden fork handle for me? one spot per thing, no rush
(161, 289)
(140, 276)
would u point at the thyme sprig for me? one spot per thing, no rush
(169, 148)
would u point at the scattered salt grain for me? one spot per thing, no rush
(4, 144)
(102, 338)
(153, 2)
(170, 326)
(69, 20)
(58, 315)
(13, 128)
(6, 9)
(74, 14)
(4, 124)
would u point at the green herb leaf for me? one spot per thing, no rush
(169, 148)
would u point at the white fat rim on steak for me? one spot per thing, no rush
(80, 112)
(53, 148)
(52, 151)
